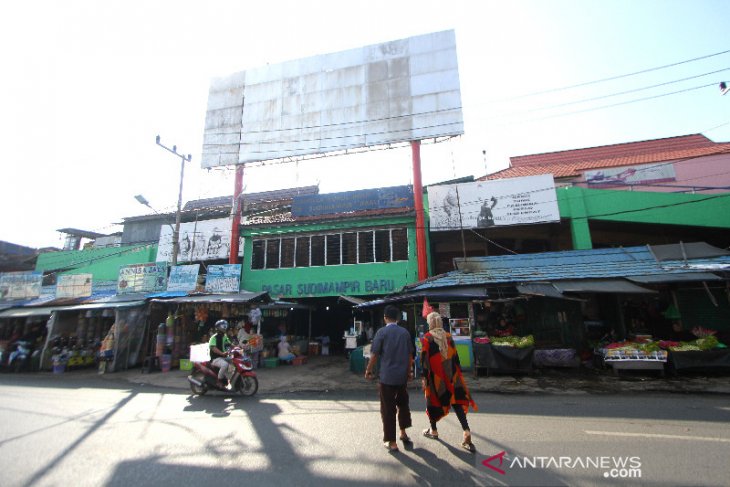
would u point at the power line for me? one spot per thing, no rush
(635, 90)
(587, 83)
(605, 106)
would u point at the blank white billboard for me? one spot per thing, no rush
(381, 94)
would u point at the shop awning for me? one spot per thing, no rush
(104, 305)
(669, 277)
(467, 293)
(284, 305)
(543, 289)
(27, 312)
(242, 297)
(619, 286)
(351, 299)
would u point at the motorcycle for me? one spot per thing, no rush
(243, 381)
(19, 358)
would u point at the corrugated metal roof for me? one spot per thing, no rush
(556, 266)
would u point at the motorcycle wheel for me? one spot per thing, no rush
(198, 390)
(247, 385)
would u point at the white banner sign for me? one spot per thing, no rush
(20, 285)
(74, 286)
(202, 240)
(502, 202)
(644, 174)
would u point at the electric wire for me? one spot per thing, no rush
(612, 78)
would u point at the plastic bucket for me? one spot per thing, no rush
(59, 369)
(165, 362)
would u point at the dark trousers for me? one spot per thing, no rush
(394, 403)
(460, 415)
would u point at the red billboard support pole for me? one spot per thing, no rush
(236, 215)
(420, 219)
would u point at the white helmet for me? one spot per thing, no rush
(221, 325)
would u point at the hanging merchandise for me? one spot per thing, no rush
(161, 338)
(170, 324)
(201, 313)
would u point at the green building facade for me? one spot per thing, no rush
(362, 257)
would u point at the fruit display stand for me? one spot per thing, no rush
(495, 355)
(623, 359)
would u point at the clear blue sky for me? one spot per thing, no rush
(87, 85)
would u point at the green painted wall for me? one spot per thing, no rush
(375, 278)
(581, 205)
(103, 264)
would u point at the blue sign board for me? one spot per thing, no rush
(224, 278)
(348, 201)
(183, 278)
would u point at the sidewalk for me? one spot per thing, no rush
(332, 373)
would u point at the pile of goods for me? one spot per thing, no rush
(705, 343)
(512, 341)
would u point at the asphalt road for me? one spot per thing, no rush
(102, 432)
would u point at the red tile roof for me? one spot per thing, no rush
(571, 163)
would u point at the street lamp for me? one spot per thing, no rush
(176, 231)
(142, 200)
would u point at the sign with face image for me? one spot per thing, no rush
(502, 202)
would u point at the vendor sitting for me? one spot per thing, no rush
(285, 352)
(503, 328)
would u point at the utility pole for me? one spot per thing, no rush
(176, 231)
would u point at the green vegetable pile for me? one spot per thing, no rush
(706, 343)
(513, 341)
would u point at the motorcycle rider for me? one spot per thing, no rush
(219, 345)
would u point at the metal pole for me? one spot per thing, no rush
(176, 233)
(236, 215)
(418, 202)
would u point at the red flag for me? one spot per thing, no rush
(426, 308)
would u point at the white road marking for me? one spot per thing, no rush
(661, 436)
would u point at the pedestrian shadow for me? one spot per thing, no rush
(432, 468)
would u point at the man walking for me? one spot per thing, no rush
(393, 345)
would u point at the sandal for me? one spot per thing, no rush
(469, 446)
(427, 433)
(406, 440)
(389, 447)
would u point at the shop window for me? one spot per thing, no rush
(258, 254)
(382, 245)
(302, 252)
(399, 239)
(272, 253)
(333, 249)
(287, 252)
(365, 247)
(349, 248)
(317, 253)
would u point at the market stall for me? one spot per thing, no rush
(76, 334)
(503, 354)
(704, 353)
(185, 320)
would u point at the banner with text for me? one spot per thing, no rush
(74, 286)
(142, 278)
(502, 202)
(202, 240)
(224, 278)
(183, 278)
(20, 285)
